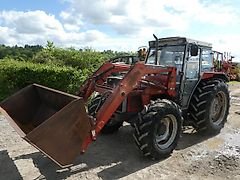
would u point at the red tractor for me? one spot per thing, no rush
(176, 86)
(226, 65)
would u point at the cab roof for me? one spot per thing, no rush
(178, 41)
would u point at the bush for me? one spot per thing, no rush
(84, 59)
(15, 75)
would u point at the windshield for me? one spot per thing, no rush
(166, 55)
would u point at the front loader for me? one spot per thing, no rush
(175, 86)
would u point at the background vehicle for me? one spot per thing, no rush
(175, 86)
(223, 63)
(130, 59)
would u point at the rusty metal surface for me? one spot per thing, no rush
(54, 122)
(61, 136)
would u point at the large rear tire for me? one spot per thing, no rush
(95, 104)
(158, 129)
(209, 106)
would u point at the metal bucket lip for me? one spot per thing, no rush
(43, 87)
(54, 90)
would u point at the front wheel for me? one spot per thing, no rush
(158, 129)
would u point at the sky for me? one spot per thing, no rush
(122, 25)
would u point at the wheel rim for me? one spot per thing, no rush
(218, 108)
(166, 131)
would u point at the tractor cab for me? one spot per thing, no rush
(190, 57)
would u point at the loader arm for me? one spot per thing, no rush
(128, 83)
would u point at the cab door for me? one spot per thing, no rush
(192, 74)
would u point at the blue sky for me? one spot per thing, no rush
(120, 24)
(50, 6)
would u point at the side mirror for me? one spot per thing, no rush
(194, 50)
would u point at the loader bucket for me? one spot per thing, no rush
(54, 122)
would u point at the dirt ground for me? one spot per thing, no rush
(115, 156)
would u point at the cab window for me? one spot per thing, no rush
(192, 70)
(207, 60)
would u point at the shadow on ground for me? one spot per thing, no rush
(116, 154)
(8, 169)
(189, 138)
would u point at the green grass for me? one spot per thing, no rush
(234, 82)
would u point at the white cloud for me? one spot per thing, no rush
(29, 27)
(136, 20)
(7, 36)
(71, 22)
(36, 27)
(31, 22)
(127, 17)
(227, 43)
(121, 24)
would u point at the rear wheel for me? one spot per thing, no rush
(209, 106)
(95, 104)
(158, 129)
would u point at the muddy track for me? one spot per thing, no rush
(115, 156)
